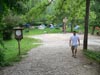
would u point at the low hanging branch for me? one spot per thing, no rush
(38, 10)
(60, 7)
(43, 8)
(49, 3)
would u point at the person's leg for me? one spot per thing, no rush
(72, 48)
(75, 52)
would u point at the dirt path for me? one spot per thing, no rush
(53, 58)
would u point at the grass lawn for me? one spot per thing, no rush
(11, 48)
(41, 31)
(48, 30)
(93, 55)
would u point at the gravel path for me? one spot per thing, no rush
(53, 57)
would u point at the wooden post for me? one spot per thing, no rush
(19, 52)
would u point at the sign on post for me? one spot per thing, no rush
(18, 36)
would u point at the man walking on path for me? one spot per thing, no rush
(74, 42)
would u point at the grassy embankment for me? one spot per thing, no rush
(11, 49)
(93, 55)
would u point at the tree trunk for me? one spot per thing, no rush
(71, 28)
(86, 25)
(64, 28)
(93, 29)
(72, 24)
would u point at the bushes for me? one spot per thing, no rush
(9, 21)
(2, 57)
(1, 52)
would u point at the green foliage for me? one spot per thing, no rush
(71, 9)
(93, 55)
(2, 61)
(12, 4)
(1, 51)
(38, 10)
(56, 10)
(8, 22)
(12, 20)
(95, 7)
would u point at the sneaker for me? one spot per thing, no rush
(72, 55)
(75, 56)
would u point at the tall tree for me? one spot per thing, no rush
(73, 10)
(86, 25)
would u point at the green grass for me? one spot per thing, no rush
(11, 48)
(48, 30)
(42, 31)
(93, 55)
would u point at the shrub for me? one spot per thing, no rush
(1, 57)
(8, 22)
